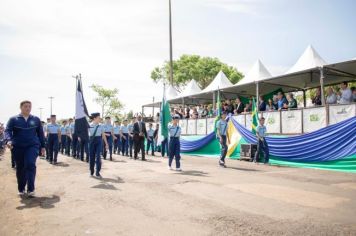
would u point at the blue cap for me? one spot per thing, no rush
(176, 117)
(94, 115)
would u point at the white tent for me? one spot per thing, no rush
(220, 82)
(258, 72)
(171, 92)
(191, 88)
(308, 60)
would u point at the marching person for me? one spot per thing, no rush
(262, 145)
(117, 143)
(24, 136)
(83, 149)
(131, 135)
(139, 135)
(124, 134)
(97, 136)
(75, 142)
(222, 135)
(54, 139)
(155, 137)
(110, 137)
(69, 136)
(46, 138)
(150, 139)
(63, 136)
(174, 143)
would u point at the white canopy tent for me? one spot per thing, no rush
(191, 88)
(220, 82)
(258, 72)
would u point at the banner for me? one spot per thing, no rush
(240, 119)
(192, 127)
(183, 126)
(249, 121)
(210, 125)
(338, 113)
(201, 126)
(272, 121)
(292, 122)
(314, 119)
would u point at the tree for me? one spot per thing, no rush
(202, 69)
(108, 101)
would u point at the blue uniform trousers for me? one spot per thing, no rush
(53, 147)
(95, 147)
(150, 144)
(68, 145)
(84, 148)
(125, 144)
(174, 151)
(117, 144)
(131, 145)
(262, 147)
(164, 147)
(75, 146)
(110, 142)
(25, 158)
(46, 147)
(63, 143)
(223, 146)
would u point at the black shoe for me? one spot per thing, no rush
(144, 159)
(98, 175)
(110, 158)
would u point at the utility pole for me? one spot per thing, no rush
(51, 98)
(41, 108)
(170, 45)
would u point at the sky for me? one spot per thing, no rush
(117, 43)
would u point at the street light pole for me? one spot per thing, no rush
(51, 98)
(170, 45)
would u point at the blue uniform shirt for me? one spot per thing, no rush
(150, 132)
(53, 128)
(71, 128)
(124, 129)
(261, 131)
(108, 128)
(130, 128)
(117, 129)
(222, 126)
(174, 131)
(24, 133)
(98, 132)
(68, 131)
(63, 130)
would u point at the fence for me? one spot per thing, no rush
(290, 122)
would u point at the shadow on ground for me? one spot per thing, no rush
(193, 173)
(42, 202)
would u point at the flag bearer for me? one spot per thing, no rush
(54, 139)
(97, 136)
(24, 136)
(150, 139)
(63, 136)
(174, 143)
(117, 143)
(110, 137)
(262, 145)
(222, 135)
(124, 134)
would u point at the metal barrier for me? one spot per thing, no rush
(290, 122)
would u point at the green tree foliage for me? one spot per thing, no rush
(202, 69)
(108, 101)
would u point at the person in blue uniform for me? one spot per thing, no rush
(117, 142)
(54, 139)
(75, 142)
(150, 139)
(222, 136)
(96, 138)
(46, 138)
(174, 143)
(24, 136)
(63, 136)
(262, 146)
(124, 134)
(131, 136)
(83, 149)
(69, 136)
(164, 147)
(110, 137)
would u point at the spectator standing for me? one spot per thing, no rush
(261, 104)
(331, 96)
(317, 99)
(345, 94)
(239, 106)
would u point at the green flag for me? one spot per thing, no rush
(219, 110)
(165, 116)
(254, 116)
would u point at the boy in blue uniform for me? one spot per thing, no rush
(75, 142)
(262, 145)
(46, 138)
(174, 143)
(54, 139)
(69, 136)
(131, 135)
(96, 138)
(110, 137)
(24, 136)
(222, 135)
(63, 136)
(124, 134)
(117, 142)
(150, 139)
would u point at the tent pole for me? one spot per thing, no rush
(214, 102)
(153, 107)
(257, 96)
(304, 98)
(322, 86)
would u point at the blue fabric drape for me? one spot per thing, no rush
(326, 144)
(190, 146)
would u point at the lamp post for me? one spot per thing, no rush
(170, 45)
